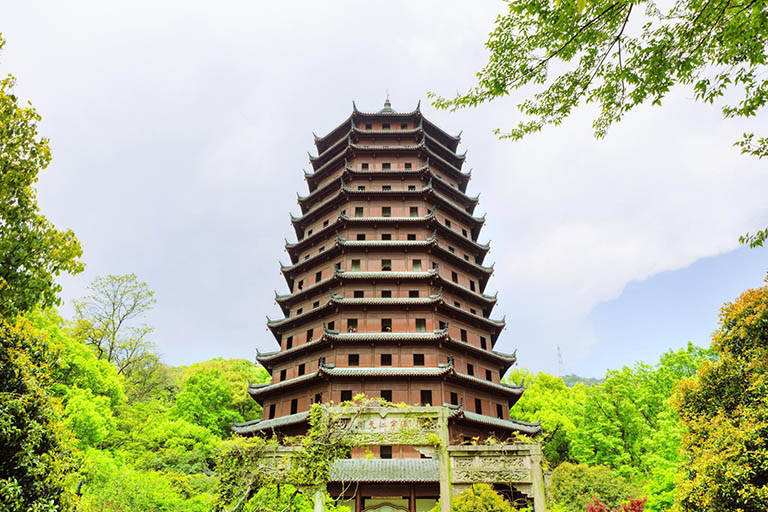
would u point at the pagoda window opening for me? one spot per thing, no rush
(300, 284)
(306, 256)
(386, 187)
(451, 250)
(331, 325)
(356, 265)
(403, 126)
(457, 304)
(414, 211)
(386, 294)
(442, 325)
(294, 406)
(309, 335)
(418, 359)
(361, 188)
(501, 373)
(318, 276)
(368, 126)
(413, 294)
(488, 375)
(288, 342)
(282, 375)
(309, 232)
(473, 311)
(358, 211)
(361, 236)
(470, 369)
(426, 397)
(386, 394)
(299, 311)
(454, 398)
(466, 257)
(386, 236)
(411, 236)
(364, 166)
(358, 294)
(386, 166)
(472, 285)
(463, 333)
(386, 265)
(499, 411)
(386, 359)
(325, 223)
(385, 126)
(434, 265)
(316, 304)
(421, 325)
(271, 411)
(464, 232)
(346, 395)
(478, 406)
(353, 360)
(417, 265)
(386, 325)
(337, 265)
(447, 223)
(321, 249)
(454, 277)
(411, 187)
(386, 211)
(483, 343)
(385, 452)
(351, 324)
(318, 398)
(407, 165)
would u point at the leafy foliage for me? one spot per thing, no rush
(725, 414)
(32, 251)
(615, 54)
(632, 506)
(37, 451)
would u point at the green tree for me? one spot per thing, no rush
(107, 321)
(32, 251)
(574, 486)
(206, 400)
(237, 373)
(620, 54)
(37, 453)
(557, 406)
(725, 414)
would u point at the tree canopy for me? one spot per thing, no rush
(725, 414)
(32, 251)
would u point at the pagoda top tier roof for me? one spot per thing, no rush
(387, 112)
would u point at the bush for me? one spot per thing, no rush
(478, 498)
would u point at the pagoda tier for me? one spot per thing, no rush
(386, 284)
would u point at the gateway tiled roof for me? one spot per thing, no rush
(523, 427)
(385, 470)
(262, 425)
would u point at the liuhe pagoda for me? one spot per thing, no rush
(387, 297)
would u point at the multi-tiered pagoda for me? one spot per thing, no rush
(387, 287)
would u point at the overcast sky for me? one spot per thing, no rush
(179, 132)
